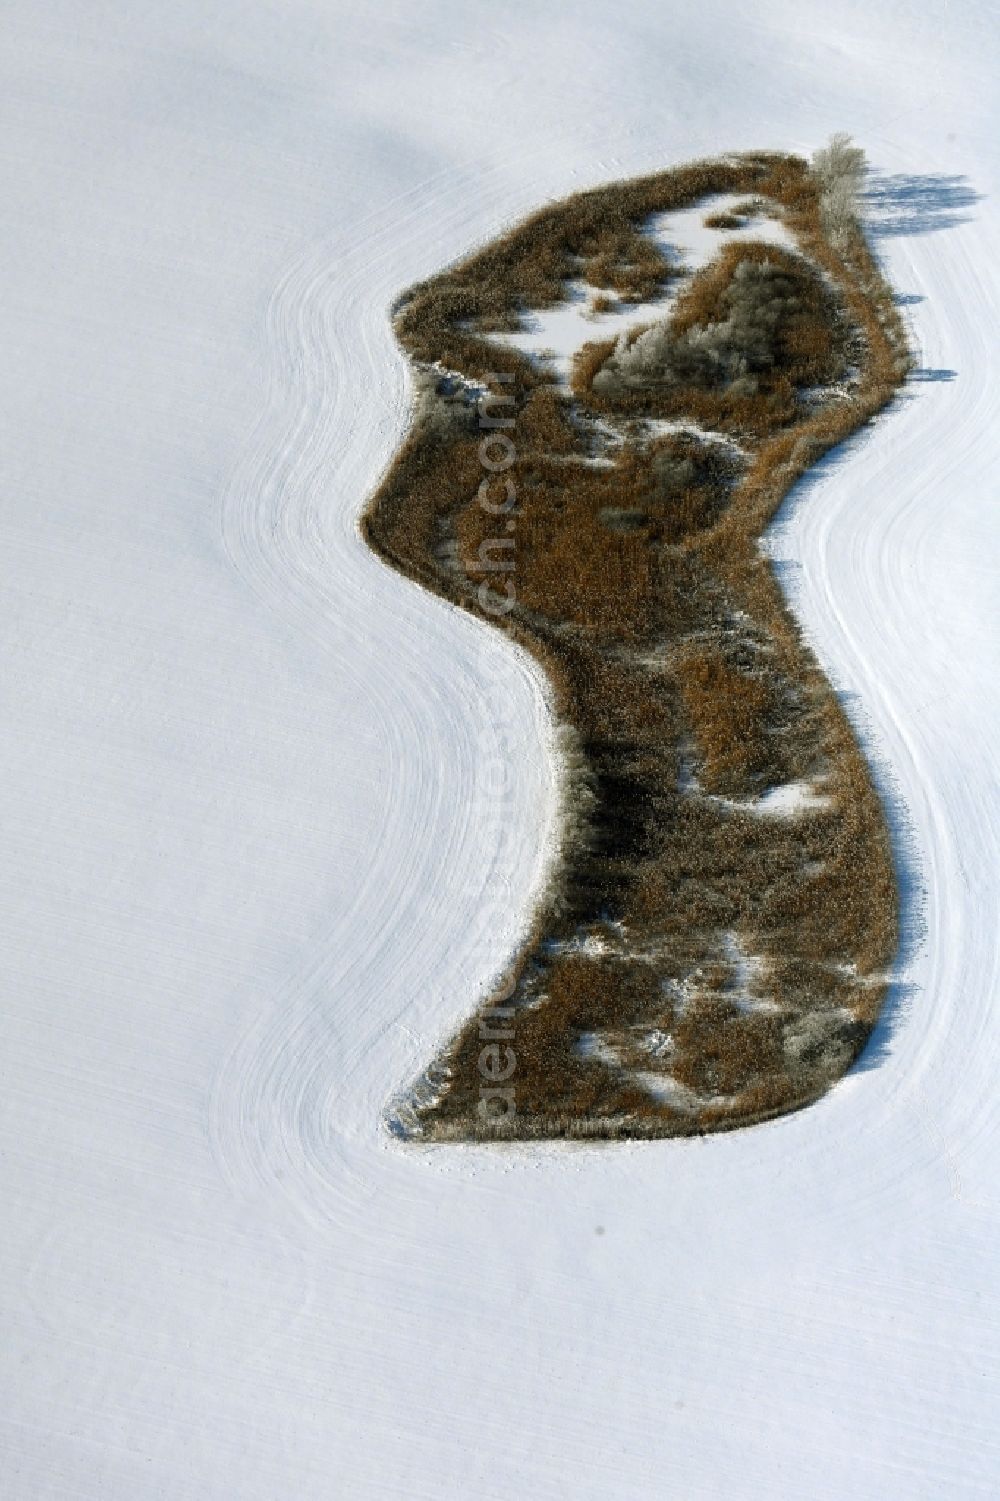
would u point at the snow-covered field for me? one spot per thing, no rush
(253, 869)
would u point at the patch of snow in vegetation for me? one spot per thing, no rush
(787, 800)
(684, 231)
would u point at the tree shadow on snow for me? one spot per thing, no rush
(909, 203)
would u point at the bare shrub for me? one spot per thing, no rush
(839, 168)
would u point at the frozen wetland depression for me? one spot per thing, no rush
(680, 688)
(246, 881)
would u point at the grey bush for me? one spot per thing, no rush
(729, 353)
(840, 168)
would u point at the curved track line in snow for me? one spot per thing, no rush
(892, 560)
(884, 527)
(289, 526)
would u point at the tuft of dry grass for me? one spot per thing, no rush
(723, 221)
(680, 676)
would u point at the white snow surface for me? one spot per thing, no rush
(255, 864)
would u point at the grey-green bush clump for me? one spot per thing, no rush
(761, 302)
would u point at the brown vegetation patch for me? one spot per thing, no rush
(697, 964)
(724, 221)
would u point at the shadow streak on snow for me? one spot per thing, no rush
(926, 374)
(905, 203)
